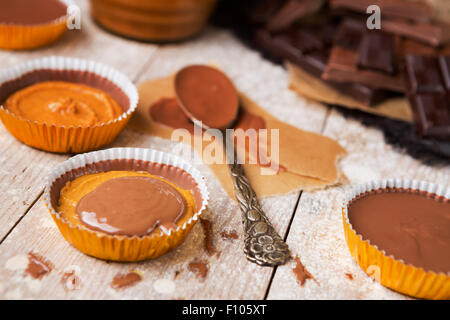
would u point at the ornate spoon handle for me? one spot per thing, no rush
(262, 243)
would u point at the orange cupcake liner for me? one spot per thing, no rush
(23, 37)
(126, 248)
(386, 269)
(61, 139)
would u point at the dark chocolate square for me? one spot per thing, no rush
(377, 51)
(349, 34)
(424, 74)
(432, 114)
(444, 63)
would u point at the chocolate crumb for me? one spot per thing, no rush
(207, 228)
(121, 280)
(300, 272)
(177, 274)
(232, 235)
(349, 276)
(38, 267)
(200, 268)
(70, 281)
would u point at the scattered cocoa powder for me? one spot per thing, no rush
(200, 268)
(300, 272)
(349, 276)
(231, 235)
(121, 280)
(38, 267)
(207, 229)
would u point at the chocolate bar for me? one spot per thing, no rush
(343, 64)
(428, 82)
(434, 34)
(403, 9)
(313, 59)
(291, 11)
(377, 52)
(265, 10)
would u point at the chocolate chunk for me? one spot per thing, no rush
(343, 67)
(302, 39)
(404, 9)
(264, 10)
(291, 12)
(432, 114)
(377, 51)
(349, 34)
(424, 74)
(444, 64)
(429, 95)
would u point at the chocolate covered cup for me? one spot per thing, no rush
(126, 247)
(30, 24)
(398, 231)
(56, 137)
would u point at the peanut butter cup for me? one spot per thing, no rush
(65, 105)
(125, 204)
(410, 225)
(29, 24)
(398, 231)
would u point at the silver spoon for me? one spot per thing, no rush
(194, 87)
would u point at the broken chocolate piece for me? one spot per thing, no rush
(344, 56)
(291, 12)
(429, 95)
(343, 67)
(377, 51)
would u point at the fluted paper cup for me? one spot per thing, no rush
(59, 138)
(118, 247)
(20, 36)
(390, 271)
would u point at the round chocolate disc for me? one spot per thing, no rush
(409, 225)
(206, 94)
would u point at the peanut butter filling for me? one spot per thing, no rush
(64, 104)
(125, 203)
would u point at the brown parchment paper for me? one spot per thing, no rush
(315, 89)
(310, 158)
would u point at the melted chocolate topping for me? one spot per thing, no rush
(409, 225)
(28, 12)
(131, 206)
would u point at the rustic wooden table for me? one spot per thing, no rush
(309, 221)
